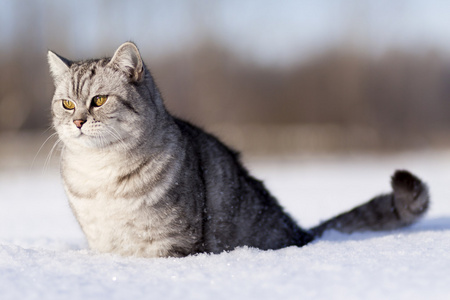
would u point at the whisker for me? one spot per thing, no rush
(49, 156)
(119, 139)
(40, 148)
(115, 136)
(102, 141)
(46, 130)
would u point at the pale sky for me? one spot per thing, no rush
(268, 31)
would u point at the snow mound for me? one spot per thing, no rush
(43, 254)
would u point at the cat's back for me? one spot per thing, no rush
(240, 210)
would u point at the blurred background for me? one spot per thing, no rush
(268, 77)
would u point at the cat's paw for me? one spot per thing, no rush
(411, 197)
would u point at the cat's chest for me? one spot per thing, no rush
(123, 226)
(101, 217)
(96, 176)
(122, 206)
(114, 218)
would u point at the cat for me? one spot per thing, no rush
(144, 183)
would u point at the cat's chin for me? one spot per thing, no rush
(89, 141)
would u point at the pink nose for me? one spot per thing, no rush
(79, 123)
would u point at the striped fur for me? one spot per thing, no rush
(144, 183)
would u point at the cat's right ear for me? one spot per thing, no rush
(58, 64)
(128, 59)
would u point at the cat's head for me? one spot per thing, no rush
(105, 102)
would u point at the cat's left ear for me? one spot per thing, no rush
(128, 59)
(58, 64)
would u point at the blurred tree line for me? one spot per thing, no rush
(337, 100)
(342, 98)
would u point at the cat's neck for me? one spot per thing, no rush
(123, 156)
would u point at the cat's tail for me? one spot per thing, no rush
(405, 205)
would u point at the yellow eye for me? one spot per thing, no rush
(67, 104)
(99, 100)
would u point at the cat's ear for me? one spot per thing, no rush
(58, 64)
(128, 59)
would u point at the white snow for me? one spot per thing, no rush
(43, 254)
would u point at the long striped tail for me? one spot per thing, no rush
(407, 203)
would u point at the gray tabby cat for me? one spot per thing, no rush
(144, 183)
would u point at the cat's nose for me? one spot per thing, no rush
(79, 123)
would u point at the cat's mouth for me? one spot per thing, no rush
(93, 140)
(83, 135)
(80, 134)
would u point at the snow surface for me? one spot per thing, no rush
(43, 254)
